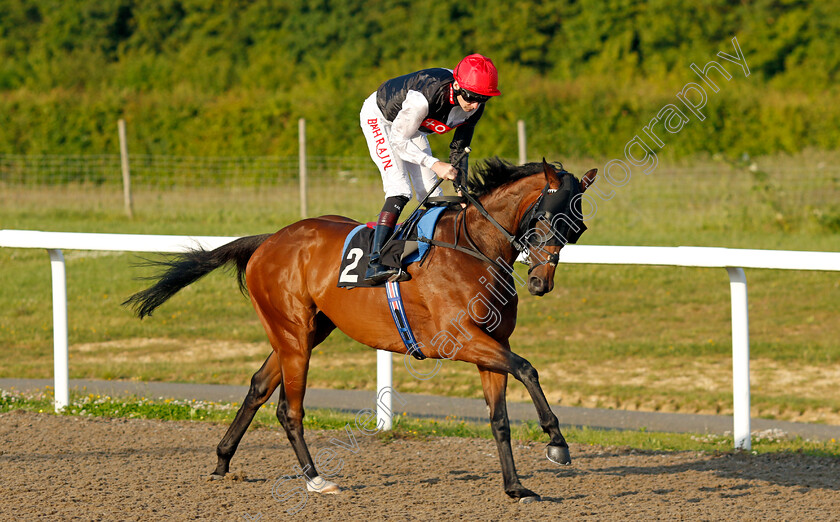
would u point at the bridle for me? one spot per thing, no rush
(550, 203)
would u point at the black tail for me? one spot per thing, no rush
(184, 269)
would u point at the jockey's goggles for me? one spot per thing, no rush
(472, 97)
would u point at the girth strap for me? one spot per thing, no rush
(395, 305)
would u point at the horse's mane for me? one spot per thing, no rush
(494, 172)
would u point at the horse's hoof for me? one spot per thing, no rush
(522, 495)
(216, 476)
(323, 486)
(558, 454)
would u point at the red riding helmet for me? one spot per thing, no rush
(476, 73)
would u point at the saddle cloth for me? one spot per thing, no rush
(400, 251)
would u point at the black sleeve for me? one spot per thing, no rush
(461, 140)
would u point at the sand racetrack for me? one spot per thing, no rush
(60, 468)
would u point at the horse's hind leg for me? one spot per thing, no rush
(290, 413)
(494, 384)
(263, 384)
(557, 450)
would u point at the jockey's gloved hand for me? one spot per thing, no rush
(445, 170)
(459, 158)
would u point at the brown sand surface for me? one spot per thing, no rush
(62, 468)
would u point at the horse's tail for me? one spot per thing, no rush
(181, 270)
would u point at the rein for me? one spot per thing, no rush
(517, 245)
(473, 250)
(514, 241)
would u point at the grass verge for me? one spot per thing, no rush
(92, 405)
(624, 337)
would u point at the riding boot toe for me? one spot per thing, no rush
(379, 273)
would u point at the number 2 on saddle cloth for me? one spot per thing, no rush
(403, 249)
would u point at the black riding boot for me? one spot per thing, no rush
(377, 272)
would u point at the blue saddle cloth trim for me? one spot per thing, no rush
(395, 304)
(353, 264)
(349, 237)
(425, 228)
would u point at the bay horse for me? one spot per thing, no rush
(291, 279)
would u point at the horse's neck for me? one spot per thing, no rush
(506, 206)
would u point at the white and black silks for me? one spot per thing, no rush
(398, 117)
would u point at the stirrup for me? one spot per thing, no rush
(400, 276)
(380, 276)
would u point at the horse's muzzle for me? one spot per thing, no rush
(538, 286)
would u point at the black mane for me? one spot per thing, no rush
(494, 172)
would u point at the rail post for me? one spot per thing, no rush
(740, 358)
(59, 297)
(384, 381)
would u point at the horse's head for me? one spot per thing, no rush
(553, 219)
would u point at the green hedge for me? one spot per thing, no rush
(230, 78)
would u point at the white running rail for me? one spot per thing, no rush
(732, 259)
(55, 242)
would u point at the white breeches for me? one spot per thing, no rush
(398, 176)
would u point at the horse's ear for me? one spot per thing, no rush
(588, 179)
(549, 171)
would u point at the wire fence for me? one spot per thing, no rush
(163, 185)
(351, 186)
(158, 171)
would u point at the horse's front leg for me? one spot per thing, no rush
(557, 450)
(494, 384)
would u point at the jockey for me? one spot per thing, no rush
(396, 120)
